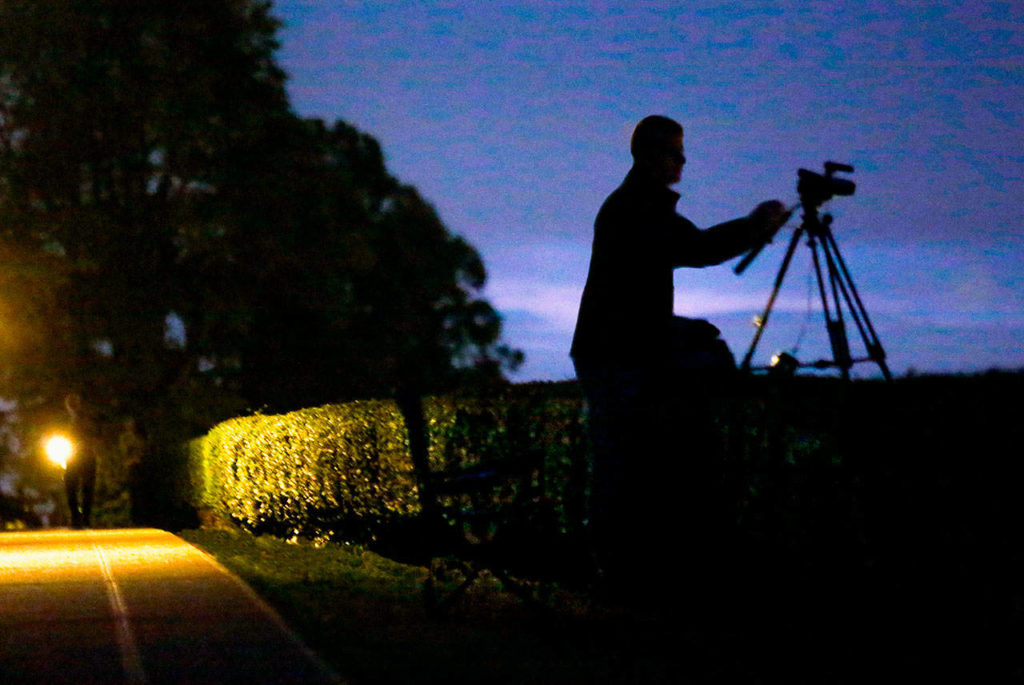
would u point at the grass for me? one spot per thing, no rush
(365, 615)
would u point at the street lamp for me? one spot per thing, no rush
(59, 449)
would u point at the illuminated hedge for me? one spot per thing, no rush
(310, 472)
(345, 470)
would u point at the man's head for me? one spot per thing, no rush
(657, 148)
(73, 403)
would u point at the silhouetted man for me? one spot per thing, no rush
(80, 474)
(627, 344)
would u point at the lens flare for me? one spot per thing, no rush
(59, 450)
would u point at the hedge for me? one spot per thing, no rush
(344, 470)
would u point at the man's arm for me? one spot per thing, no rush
(697, 248)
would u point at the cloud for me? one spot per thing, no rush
(553, 305)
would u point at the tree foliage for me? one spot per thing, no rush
(119, 122)
(177, 244)
(364, 290)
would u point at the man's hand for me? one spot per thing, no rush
(770, 216)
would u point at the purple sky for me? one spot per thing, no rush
(513, 119)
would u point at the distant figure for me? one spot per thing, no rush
(631, 353)
(80, 475)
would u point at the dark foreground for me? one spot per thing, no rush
(364, 614)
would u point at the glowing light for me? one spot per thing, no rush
(59, 449)
(784, 364)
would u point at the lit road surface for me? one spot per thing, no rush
(136, 606)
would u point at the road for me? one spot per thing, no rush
(136, 606)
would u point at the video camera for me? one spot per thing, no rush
(815, 189)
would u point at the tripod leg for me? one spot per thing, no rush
(763, 321)
(860, 314)
(835, 327)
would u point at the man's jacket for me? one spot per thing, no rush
(626, 309)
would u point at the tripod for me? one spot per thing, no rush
(836, 289)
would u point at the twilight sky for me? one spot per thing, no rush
(513, 120)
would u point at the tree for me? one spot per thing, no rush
(178, 245)
(118, 120)
(374, 293)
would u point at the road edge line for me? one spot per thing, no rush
(131, 660)
(265, 607)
